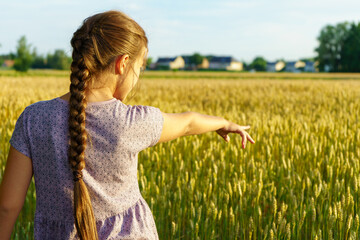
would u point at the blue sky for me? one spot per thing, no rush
(243, 29)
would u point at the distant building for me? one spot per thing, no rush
(190, 66)
(152, 66)
(295, 66)
(310, 66)
(275, 66)
(225, 63)
(8, 63)
(290, 67)
(205, 64)
(170, 63)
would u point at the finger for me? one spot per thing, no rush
(225, 137)
(245, 127)
(250, 138)
(243, 140)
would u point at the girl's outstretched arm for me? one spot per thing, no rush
(193, 123)
(13, 189)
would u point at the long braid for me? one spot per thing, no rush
(83, 213)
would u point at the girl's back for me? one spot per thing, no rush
(117, 132)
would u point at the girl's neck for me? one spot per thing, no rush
(94, 96)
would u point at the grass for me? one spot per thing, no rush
(301, 180)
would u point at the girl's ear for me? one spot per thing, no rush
(121, 63)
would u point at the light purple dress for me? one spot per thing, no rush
(118, 132)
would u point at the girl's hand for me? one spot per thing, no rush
(234, 128)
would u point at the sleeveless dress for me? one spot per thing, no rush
(117, 133)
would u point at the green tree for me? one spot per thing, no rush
(350, 52)
(309, 59)
(259, 64)
(58, 60)
(39, 61)
(149, 60)
(24, 58)
(331, 41)
(196, 59)
(1, 59)
(245, 65)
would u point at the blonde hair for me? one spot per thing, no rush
(96, 44)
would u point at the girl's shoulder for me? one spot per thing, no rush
(143, 111)
(58, 106)
(44, 111)
(43, 106)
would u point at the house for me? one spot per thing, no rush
(310, 66)
(204, 65)
(170, 63)
(188, 65)
(8, 63)
(276, 66)
(225, 63)
(294, 66)
(152, 66)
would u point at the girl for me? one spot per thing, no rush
(94, 194)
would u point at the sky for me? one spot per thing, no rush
(243, 29)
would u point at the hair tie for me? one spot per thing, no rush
(77, 175)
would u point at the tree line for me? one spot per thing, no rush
(338, 51)
(339, 48)
(27, 57)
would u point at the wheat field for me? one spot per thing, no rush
(300, 180)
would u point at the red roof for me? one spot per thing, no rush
(8, 63)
